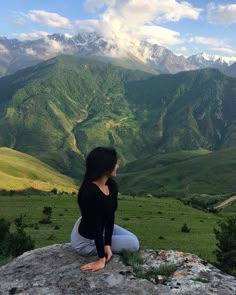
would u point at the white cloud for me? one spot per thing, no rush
(54, 46)
(147, 10)
(159, 35)
(207, 41)
(3, 50)
(221, 14)
(31, 51)
(128, 22)
(225, 50)
(51, 48)
(214, 44)
(48, 48)
(49, 19)
(182, 49)
(32, 35)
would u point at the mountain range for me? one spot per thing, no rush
(58, 110)
(16, 54)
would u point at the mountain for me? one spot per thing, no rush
(189, 110)
(204, 60)
(145, 56)
(165, 61)
(84, 103)
(15, 55)
(58, 110)
(181, 174)
(231, 71)
(19, 171)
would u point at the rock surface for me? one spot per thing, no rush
(54, 270)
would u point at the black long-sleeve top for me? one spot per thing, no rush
(98, 213)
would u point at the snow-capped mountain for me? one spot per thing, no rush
(16, 54)
(231, 70)
(165, 60)
(204, 60)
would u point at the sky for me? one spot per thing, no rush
(185, 27)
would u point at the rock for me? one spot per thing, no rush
(54, 270)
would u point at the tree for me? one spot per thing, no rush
(226, 243)
(4, 233)
(48, 212)
(14, 244)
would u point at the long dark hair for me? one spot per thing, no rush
(99, 162)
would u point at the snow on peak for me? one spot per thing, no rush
(216, 58)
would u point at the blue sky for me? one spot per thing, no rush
(185, 27)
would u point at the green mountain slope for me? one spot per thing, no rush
(19, 171)
(181, 174)
(189, 110)
(59, 110)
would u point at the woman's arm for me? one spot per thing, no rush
(92, 217)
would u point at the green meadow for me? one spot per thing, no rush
(20, 171)
(157, 222)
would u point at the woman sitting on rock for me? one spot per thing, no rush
(95, 233)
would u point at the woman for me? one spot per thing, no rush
(95, 233)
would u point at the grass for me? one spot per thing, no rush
(137, 214)
(132, 259)
(19, 171)
(136, 261)
(153, 273)
(182, 173)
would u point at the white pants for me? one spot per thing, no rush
(122, 239)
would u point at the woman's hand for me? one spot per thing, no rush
(93, 266)
(108, 252)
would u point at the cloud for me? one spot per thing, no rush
(207, 41)
(159, 35)
(214, 44)
(31, 51)
(32, 35)
(221, 14)
(3, 50)
(146, 10)
(225, 50)
(182, 49)
(89, 25)
(19, 21)
(128, 22)
(49, 19)
(94, 5)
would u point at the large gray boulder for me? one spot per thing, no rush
(54, 270)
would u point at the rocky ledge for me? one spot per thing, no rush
(54, 270)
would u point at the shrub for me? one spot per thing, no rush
(185, 228)
(132, 259)
(36, 227)
(14, 244)
(46, 220)
(47, 210)
(54, 191)
(226, 243)
(51, 237)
